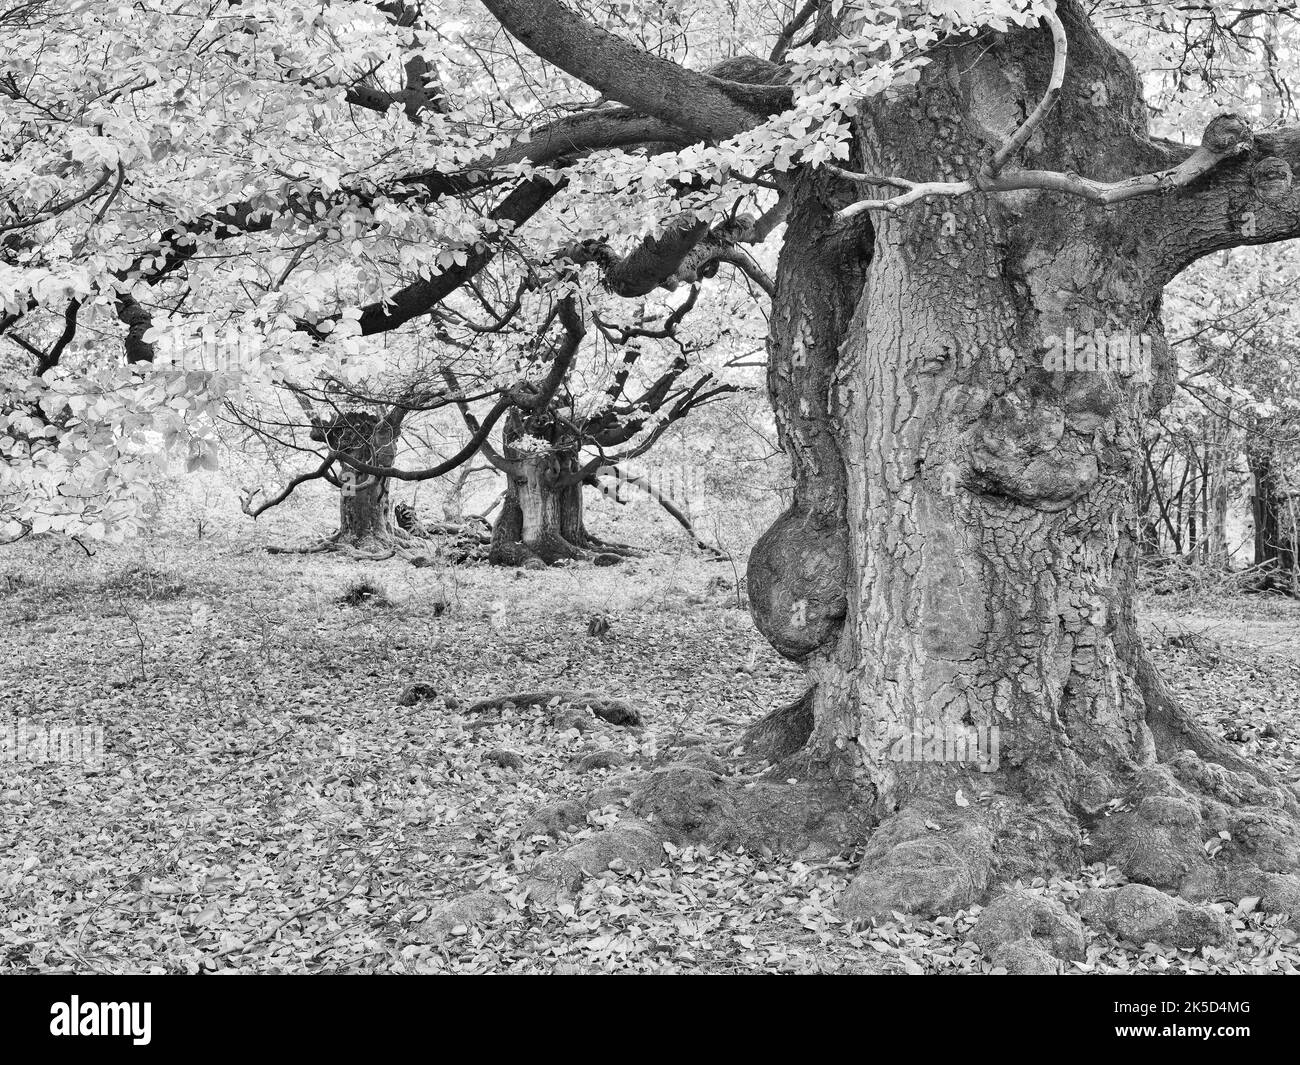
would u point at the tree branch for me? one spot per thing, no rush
(678, 515)
(557, 142)
(1226, 137)
(653, 262)
(707, 106)
(246, 498)
(137, 321)
(1017, 140)
(792, 27)
(1253, 201)
(422, 296)
(526, 396)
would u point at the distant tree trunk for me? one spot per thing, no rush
(1162, 506)
(365, 506)
(542, 514)
(1148, 526)
(1293, 526)
(1177, 500)
(453, 506)
(1273, 542)
(1220, 474)
(1203, 491)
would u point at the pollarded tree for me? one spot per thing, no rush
(353, 429)
(577, 394)
(960, 554)
(637, 380)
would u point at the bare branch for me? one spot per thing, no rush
(648, 487)
(52, 210)
(246, 498)
(1226, 137)
(1020, 137)
(791, 28)
(525, 396)
(745, 263)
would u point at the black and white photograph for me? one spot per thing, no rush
(649, 487)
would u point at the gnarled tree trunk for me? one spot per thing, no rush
(365, 506)
(365, 509)
(541, 516)
(962, 390)
(961, 387)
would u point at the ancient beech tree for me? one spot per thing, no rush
(961, 549)
(968, 188)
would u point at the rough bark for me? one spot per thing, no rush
(423, 295)
(960, 555)
(541, 516)
(798, 568)
(365, 506)
(781, 733)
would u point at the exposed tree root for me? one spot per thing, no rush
(473, 531)
(780, 733)
(455, 542)
(692, 802)
(478, 907)
(553, 548)
(396, 544)
(1185, 828)
(609, 547)
(635, 844)
(1189, 827)
(1189, 823)
(678, 803)
(1175, 730)
(319, 547)
(937, 856)
(615, 711)
(359, 553)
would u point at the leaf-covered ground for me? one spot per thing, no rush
(265, 805)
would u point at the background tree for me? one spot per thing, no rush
(579, 397)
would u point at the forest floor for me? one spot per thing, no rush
(266, 805)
